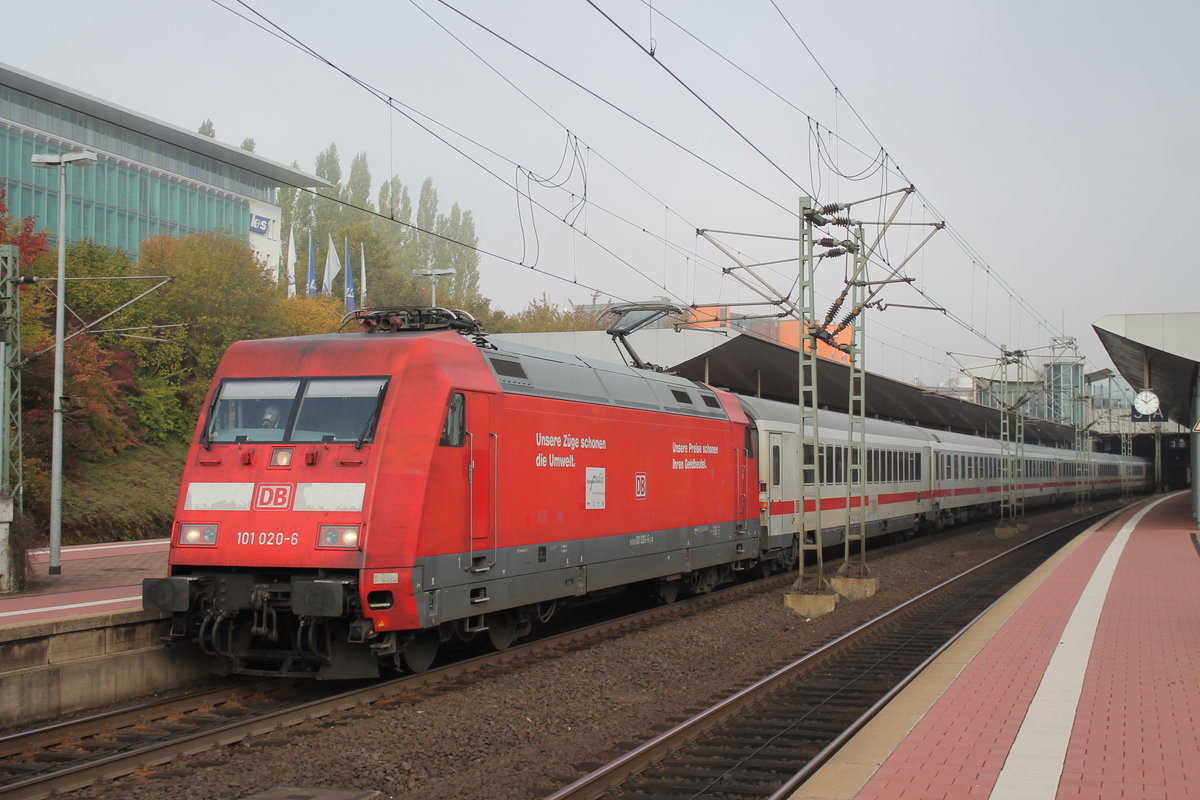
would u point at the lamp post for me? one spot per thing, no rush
(433, 275)
(80, 158)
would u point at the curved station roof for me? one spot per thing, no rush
(1160, 352)
(749, 365)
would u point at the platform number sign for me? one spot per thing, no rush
(639, 485)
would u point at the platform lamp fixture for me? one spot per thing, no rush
(433, 275)
(78, 158)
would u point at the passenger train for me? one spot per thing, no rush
(352, 501)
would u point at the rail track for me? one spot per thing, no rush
(765, 740)
(72, 755)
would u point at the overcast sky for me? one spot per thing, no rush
(1056, 139)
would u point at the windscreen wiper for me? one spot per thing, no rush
(371, 420)
(208, 420)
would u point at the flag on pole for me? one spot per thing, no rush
(274, 268)
(332, 267)
(289, 261)
(349, 293)
(362, 273)
(311, 286)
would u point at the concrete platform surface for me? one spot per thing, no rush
(95, 578)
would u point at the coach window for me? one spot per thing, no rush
(454, 429)
(774, 465)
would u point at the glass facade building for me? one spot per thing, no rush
(152, 178)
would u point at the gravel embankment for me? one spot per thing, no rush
(519, 733)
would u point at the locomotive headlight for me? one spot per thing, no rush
(338, 536)
(197, 534)
(281, 457)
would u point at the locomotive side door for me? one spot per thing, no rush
(781, 487)
(465, 468)
(482, 474)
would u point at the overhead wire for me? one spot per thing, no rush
(409, 113)
(879, 162)
(737, 131)
(959, 239)
(404, 110)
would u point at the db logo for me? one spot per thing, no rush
(639, 484)
(273, 495)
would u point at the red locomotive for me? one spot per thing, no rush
(354, 500)
(357, 498)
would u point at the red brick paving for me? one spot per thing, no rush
(1137, 728)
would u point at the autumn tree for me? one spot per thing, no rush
(541, 316)
(98, 376)
(222, 294)
(30, 242)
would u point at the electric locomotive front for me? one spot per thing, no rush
(352, 500)
(307, 445)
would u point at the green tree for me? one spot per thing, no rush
(208, 129)
(456, 251)
(394, 201)
(423, 247)
(328, 214)
(357, 191)
(248, 144)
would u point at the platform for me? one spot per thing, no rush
(95, 579)
(1082, 682)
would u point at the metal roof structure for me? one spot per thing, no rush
(749, 365)
(1159, 352)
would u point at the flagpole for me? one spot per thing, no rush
(348, 293)
(291, 263)
(311, 286)
(362, 283)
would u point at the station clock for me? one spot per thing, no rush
(1147, 408)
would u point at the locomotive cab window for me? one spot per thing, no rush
(454, 430)
(296, 410)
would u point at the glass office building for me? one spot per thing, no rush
(152, 177)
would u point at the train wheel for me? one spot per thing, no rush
(502, 629)
(419, 652)
(668, 591)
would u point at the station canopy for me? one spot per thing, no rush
(1160, 352)
(749, 365)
